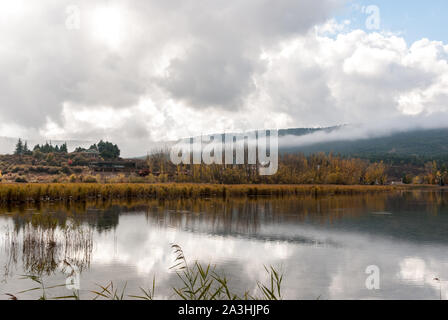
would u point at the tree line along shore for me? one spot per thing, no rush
(101, 163)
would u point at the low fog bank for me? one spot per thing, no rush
(365, 131)
(342, 134)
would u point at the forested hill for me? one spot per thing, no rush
(414, 147)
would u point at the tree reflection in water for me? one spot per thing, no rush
(42, 237)
(46, 244)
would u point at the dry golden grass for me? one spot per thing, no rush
(40, 192)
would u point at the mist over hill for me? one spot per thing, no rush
(415, 146)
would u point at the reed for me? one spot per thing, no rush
(203, 282)
(75, 192)
(198, 282)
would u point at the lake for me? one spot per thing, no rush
(323, 244)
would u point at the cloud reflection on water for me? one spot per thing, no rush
(324, 253)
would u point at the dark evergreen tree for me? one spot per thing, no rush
(108, 150)
(26, 151)
(63, 148)
(19, 147)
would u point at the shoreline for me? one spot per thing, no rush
(17, 193)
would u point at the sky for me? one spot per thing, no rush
(140, 71)
(413, 20)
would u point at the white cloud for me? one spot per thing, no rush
(141, 71)
(356, 77)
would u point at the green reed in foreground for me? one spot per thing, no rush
(74, 192)
(204, 283)
(199, 282)
(42, 289)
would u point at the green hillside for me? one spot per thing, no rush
(415, 147)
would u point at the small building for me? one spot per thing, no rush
(90, 153)
(113, 166)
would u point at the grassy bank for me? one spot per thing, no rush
(73, 192)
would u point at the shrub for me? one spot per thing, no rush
(79, 160)
(66, 170)
(20, 180)
(121, 178)
(89, 179)
(16, 169)
(53, 170)
(40, 169)
(50, 159)
(38, 155)
(137, 180)
(77, 169)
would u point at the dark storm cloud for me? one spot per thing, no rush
(44, 64)
(227, 39)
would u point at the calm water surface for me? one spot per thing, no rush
(322, 244)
